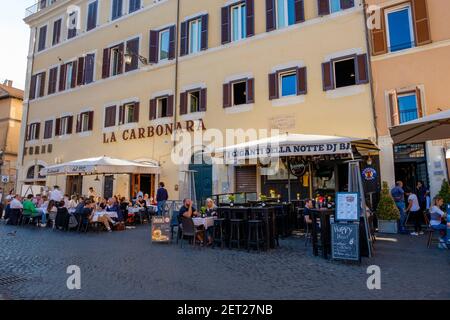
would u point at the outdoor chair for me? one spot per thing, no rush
(430, 236)
(189, 230)
(308, 229)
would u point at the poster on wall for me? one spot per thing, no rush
(347, 206)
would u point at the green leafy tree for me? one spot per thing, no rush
(387, 210)
(445, 191)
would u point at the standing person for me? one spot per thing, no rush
(92, 193)
(399, 197)
(438, 222)
(161, 197)
(16, 210)
(43, 210)
(56, 194)
(414, 212)
(422, 193)
(1, 202)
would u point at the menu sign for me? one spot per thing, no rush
(347, 206)
(160, 229)
(345, 241)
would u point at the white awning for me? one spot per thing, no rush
(295, 145)
(101, 165)
(433, 127)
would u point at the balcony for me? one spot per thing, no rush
(38, 6)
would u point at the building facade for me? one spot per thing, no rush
(10, 121)
(118, 77)
(410, 50)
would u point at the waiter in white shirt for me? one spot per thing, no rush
(56, 194)
(16, 210)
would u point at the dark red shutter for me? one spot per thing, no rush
(152, 109)
(299, 11)
(62, 77)
(110, 116)
(121, 115)
(170, 106)
(183, 103)
(136, 112)
(346, 4)
(74, 74)
(32, 88)
(89, 68)
(48, 129)
(270, 15)
(52, 77)
(324, 7)
(203, 99)
(153, 56)
(250, 90)
(327, 76)
(42, 85)
(58, 127)
(69, 125)
(121, 54)
(38, 131)
(226, 95)
(273, 86)
(184, 39)
(363, 72)
(91, 120)
(106, 61)
(80, 75)
(250, 19)
(172, 38)
(226, 30)
(78, 126)
(205, 22)
(302, 87)
(133, 49)
(27, 134)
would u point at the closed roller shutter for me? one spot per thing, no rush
(245, 178)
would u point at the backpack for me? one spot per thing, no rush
(73, 222)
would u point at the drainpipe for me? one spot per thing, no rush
(175, 98)
(369, 67)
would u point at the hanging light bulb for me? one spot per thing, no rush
(97, 178)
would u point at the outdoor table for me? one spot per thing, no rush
(325, 231)
(268, 216)
(111, 214)
(207, 222)
(135, 210)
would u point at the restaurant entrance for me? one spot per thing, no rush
(144, 183)
(74, 184)
(410, 164)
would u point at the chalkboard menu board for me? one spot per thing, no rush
(160, 229)
(345, 241)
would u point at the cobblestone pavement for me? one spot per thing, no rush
(125, 265)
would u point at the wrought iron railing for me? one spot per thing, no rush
(38, 6)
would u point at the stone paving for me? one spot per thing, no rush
(125, 265)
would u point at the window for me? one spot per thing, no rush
(288, 84)
(42, 38)
(117, 8)
(239, 93)
(164, 39)
(92, 15)
(116, 61)
(129, 113)
(331, 6)
(195, 35)
(48, 129)
(89, 66)
(85, 121)
(72, 26)
(335, 5)
(33, 131)
(56, 32)
(110, 116)
(31, 172)
(345, 74)
(238, 25)
(113, 61)
(400, 32)
(134, 5)
(70, 71)
(133, 49)
(407, 107)
(194, 101)
(37, 86)
(345, 71)
(162, 105)
(67, 76)
(52, 80)
(285, 13)
(64, 126)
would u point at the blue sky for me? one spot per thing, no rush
(14, 36)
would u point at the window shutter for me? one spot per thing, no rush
(302, 87)
(204, 44)
(38, 131)
(362, 70)
(136, 112)
(89, 68)
(226, 30)
(203, 99)
(32, 88)
(69, 125)
(62, 77)
(106, 61)
(172, 38)
(121, 115)
(58, 127)
(245, 179)
(121, 53)
(324, 7)
(152, 109)
(170, 106)
(91, 120)
(299, 11)
(421, 22)
(78, 126)
(327, 76)
(184, 39)
(250, 19)
(273, 86)
(378, 37)
(133, 48)
(27, 135)
(153, 56)
(420, 112)
(183, 103)
(52, 75)
(80, 75)
(226, 95)
(74, 74)
(110, 116)
(42, 85)
(393, 108)
(250, 93)
(48, 129)
(56, 32)
(270, 15)
(42, 38)
(346, 4)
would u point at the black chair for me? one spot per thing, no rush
(255, 234)
(189, 230)
(219, 232)
(236, 228)
(175, 222)
(83, 225)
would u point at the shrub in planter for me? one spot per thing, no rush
(387, 211)
(445, 191)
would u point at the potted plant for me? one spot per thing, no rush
(445, 194)
(263, 199)
(231, 198)
(387, 212)
(203, 211)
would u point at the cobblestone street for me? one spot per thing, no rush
(125, 265)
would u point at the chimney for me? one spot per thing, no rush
(9, 83)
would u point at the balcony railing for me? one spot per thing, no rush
(38, 6)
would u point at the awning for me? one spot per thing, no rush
(295, 145)
(433, 127)
(101, 165)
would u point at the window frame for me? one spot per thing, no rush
(64, 120)
(61, 19)
(52, 133)
(32, 131)
(407, 94)
(87, 14)
(113, 49)
(67, 83)
(283, 73)
(127, 106)
(39, 49)
(398, 8)
(242, 25)
(353, 57)
(232, 84)
(129, 6)
(83, 116)
(160, 33)
(158, 109)
(68, 29)
(189, 105)
(198, 21)
(122, 10)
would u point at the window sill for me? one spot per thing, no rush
(161, 121)
(109, 129)
(85, 134)
(346, 91)
(33, 142)
(193, 116)
(64, 137)
(288, 101)
(126, 126)
(239, 108)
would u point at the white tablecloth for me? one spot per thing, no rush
(135, 210)
(207, 222)
(111, 214)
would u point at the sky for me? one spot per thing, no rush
(14, 37)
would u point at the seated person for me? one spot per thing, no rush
(29, 208)
(438, 222)
(307, 211)
(103, 219)
(189, 211)
(123, 212)
(141, 203)
(211, 209)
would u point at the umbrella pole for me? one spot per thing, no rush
(289, 180)
(310, 181)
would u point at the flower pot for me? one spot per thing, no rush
(231, 204)
(387, 226)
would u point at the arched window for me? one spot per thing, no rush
(31, 172)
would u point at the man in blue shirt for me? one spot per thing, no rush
(161, 197)
(398, 195)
